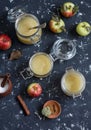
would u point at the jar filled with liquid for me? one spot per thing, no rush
(73, 83)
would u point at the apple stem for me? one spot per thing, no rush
(75, 9)
(87, 28)
(55, 17)
(65, 8)
(63, 28)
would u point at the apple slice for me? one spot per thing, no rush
(34, 90)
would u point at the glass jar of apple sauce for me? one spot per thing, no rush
(41, 64)
(73, 82)
(23, 24)
(24, 32)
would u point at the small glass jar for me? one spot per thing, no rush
(23, 24)
(73, 82)
(41, 64)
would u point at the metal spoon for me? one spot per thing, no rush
(39, 26)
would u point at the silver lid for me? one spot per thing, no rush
(63, 49)
(15, 12)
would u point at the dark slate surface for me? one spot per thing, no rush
(76, 113)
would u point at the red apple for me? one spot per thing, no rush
(5, 42)
(68, 9)
(34, 90)
(56, 24)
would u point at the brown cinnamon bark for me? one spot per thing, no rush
(5, 80)
(23, 105)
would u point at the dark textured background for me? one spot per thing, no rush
(76, 113)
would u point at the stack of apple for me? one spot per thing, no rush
(68, 9)
(5, 42)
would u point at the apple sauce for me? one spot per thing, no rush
(73, 83)
(24, 32)
(41, 64)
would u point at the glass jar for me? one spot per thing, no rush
(23, 24)
(73, 82)
(63, 49)
(41, 64)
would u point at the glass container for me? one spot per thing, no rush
(73, 82)
(23, 24)
(41, 64)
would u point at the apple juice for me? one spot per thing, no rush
(23, 29)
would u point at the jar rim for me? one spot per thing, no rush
(22, 16)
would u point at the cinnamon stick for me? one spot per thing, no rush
(23, 105)
(6, 77)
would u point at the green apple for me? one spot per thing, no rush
(83, 29)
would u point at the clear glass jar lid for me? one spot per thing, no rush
(15, 12)
(64, 49)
